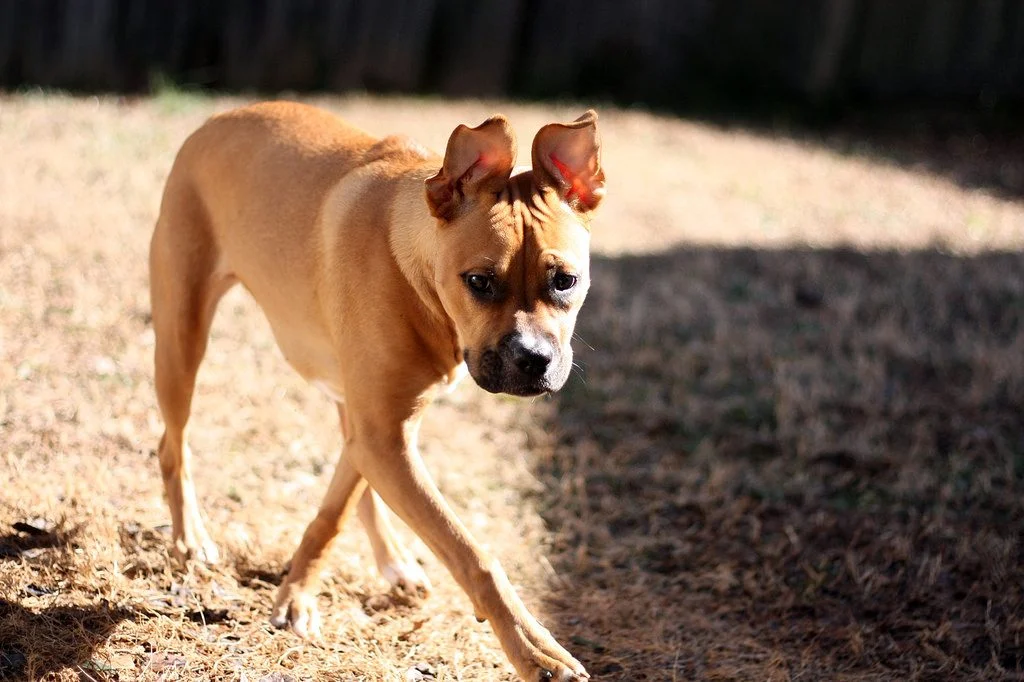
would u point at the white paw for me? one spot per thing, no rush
(203, 551)
(208, 553)
(408, 576)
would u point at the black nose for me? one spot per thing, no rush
(531, 363)
(530, 354)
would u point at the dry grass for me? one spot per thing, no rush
(796, 451)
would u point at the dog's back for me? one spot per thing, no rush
(246, 156)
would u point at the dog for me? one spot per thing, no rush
(386, 273)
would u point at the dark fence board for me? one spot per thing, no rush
(661, 51)
(475, 47)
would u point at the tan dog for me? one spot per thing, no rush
(383, 270)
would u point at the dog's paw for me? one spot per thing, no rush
(297, 610)
(199, 548)
(538, 657)
(408, 577)
(547, 669)
(563, 675)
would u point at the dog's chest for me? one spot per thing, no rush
(311, 355)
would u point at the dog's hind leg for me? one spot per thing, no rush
(396, 563)
(185, 286)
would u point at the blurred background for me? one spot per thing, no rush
(680, 54)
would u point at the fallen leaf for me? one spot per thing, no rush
(165, 660)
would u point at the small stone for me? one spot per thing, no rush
(420, 671)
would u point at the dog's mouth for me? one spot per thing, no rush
(497, 374)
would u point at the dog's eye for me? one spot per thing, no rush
(480, 284)
(563, 281)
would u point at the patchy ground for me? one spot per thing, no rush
(795, 449)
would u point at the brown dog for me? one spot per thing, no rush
(383, 271)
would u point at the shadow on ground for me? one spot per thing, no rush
(36, 642)
(44, 638)
(792, 464)
(968, 154)
(973, 146)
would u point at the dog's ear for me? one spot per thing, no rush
(476, 160)
(567, 158)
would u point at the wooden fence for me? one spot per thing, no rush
(663, 52)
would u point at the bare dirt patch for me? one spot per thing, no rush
(795, 450)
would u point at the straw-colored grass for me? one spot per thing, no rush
(796, 450)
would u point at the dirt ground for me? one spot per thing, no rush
(794, 450)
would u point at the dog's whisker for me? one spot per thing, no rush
(579, 371)
(577, 337)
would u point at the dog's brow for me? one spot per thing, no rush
(557, 259)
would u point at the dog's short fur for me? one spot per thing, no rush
(383, 271)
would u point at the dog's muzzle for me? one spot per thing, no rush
(520, 364)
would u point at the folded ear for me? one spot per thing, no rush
(567, 157)
(477, 160)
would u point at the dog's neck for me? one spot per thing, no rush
(413, 244)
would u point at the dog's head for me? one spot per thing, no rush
(513, 263)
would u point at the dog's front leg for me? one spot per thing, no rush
(386, 455)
